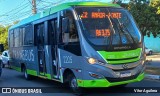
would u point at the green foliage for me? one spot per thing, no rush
(146, 17)
(4, 36)
(156, 4)
(15, 22)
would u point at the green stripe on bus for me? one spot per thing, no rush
(105, 83)
(48, 76)
(123, 61)
(92, 4)
(115, 57)
(32, 72)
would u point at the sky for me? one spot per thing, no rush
(10, 9)
(13, 10)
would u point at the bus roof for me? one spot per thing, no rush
(60, 7)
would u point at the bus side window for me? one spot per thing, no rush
(11, 38)
(16, 37)
(28, 35)
(52, 32)
(70, 36)
(21, 37)
(73, 36)
(40, 34)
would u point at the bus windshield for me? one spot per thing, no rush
(108, 26)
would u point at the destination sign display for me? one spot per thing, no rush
(95, 17)
(101, 15)
(103, 33)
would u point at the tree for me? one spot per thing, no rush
(146, 17)
(4, 36)
(156, 4)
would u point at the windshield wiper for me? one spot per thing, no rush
(111, 22)
(111, 27)
(122, 26)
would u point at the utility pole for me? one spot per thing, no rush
(34, 8)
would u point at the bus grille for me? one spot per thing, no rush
(123, 60)
(121, 79)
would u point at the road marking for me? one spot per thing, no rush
(154, 77)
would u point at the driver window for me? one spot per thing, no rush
(72, 35)
(69, 35)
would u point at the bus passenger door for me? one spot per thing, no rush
(39, 29)
(54, 47)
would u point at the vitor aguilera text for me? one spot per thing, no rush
(145, 91)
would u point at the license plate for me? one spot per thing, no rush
(127, 74)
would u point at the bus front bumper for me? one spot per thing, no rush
(105, 82)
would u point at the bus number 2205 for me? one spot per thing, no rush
(67, 59)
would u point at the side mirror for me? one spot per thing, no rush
(1, 48)
(65, 25)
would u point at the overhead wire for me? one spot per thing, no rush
(18, 16)
(18, 12)
(22, 8)
(12, 10)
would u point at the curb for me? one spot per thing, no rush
(154, 77)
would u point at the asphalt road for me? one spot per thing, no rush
(12, 78)
(153, 64)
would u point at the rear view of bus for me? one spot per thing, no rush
(112, 46)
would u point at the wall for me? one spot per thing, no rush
(152, 43)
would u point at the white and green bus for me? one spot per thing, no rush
(84, 44)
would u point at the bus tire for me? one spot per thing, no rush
(73, 84)
(26, 75)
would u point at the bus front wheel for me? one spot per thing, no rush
(73, 84)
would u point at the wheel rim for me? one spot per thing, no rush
(73, 84)
(25, 74)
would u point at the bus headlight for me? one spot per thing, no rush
(92, 61)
